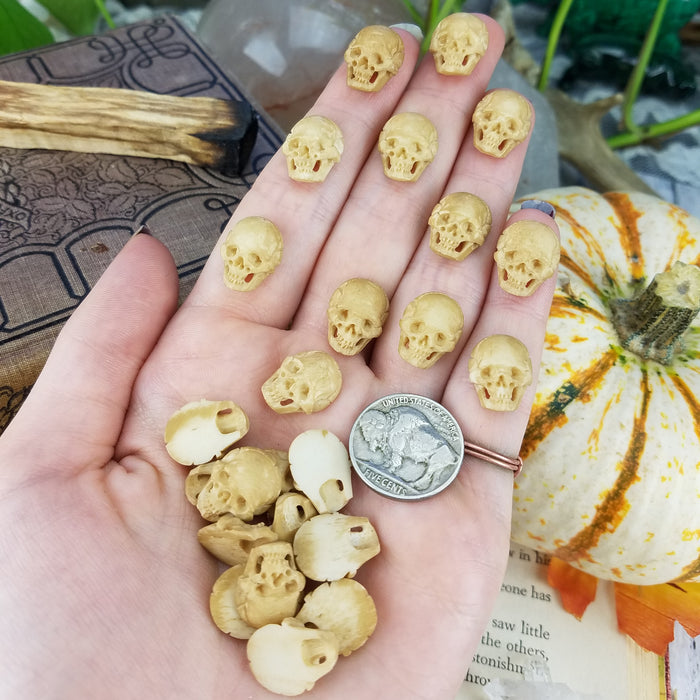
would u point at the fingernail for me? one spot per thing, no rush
(142, 229)
(540, 205)
(412, 29)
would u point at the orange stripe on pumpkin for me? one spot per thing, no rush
(626, 224)
(614, 506)
(546, 416)
(690, 399)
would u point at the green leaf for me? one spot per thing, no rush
(77, 16)
(19, 29)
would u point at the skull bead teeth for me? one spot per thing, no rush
(251, 252)
(527, 253)
(430, 327)
(500, 370)
(313, 146)
(502, 120)
(408, 143)
(356, 313)
(459, 224)
(458, 43)
(373, 57)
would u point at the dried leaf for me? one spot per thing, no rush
(576, 588)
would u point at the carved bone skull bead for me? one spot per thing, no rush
(430, 327)
(458, 43)
(527, 253)
(408, 143)
(501, 121)
(356, 313)
(251, 252)
(459, 224)
(373, 57)
(313, 146)
(306, 382)
(270, 587)
(500, 369)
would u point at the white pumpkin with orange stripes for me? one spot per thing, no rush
(611, 482)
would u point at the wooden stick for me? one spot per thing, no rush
(202, 131)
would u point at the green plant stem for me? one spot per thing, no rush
(652, 131)
(552, 41)
(634, 84)
(105, 14)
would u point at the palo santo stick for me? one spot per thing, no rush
(202, 131)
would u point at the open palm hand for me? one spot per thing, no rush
(105, 587)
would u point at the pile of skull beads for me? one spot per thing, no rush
(261, 596)
(291, 555)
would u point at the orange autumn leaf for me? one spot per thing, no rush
(576, 588)
(647, 613)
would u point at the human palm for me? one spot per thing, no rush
(105, 590)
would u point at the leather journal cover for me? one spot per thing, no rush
(64, 215)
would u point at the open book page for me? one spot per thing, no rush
(529, 625)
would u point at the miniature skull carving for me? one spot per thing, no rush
(373, 57)
(501, 121)
(408, 143)
(356, 313)
(313, 147)
(244, 482)
(430, 327)
(458, 43)
(270, 587)
(251, 251)
(459, 224)
(308, 381)
(500, 369)
(527, 253)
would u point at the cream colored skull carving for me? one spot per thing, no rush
(458, 43)
(408, 143)
(312, 148)
(501, 121)
(430, 327)
(459, 224)
(356, 313)
(306, 382)
(373, 57)
(270, 587)
(251, 252)
(244, 482)
(500, 369)
(527, 253)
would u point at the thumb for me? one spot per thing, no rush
(73, 416)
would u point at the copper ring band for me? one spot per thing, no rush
(514, 464)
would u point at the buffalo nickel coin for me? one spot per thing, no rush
(406, 446)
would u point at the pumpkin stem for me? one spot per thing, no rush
(652, 324)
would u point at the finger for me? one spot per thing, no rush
(76, 408)
(305, 212)
(493, 180)
(377, 232)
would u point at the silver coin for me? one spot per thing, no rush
(406, 446)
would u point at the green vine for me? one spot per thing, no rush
(430, 18)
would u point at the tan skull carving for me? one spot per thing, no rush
(430, 327)
(356, 313)
(459, 224)
(244, 482)
(527, 253)
(501, 121)
(306, 382)
(408, 143)
(373, 57)
(251, 252)
(270, 587)
(312, 148)
(500, 369)
(458, 43)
